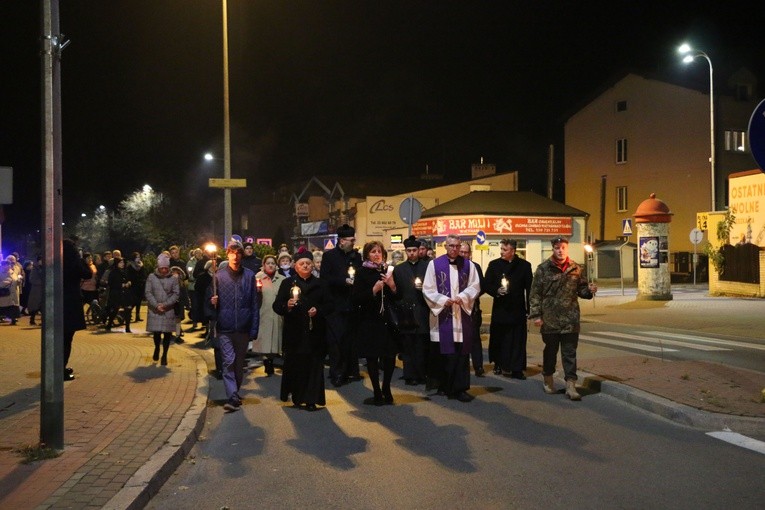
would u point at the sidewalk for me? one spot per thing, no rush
(126, 417)
(130, 422)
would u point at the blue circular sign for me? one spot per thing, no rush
(757, 134)
(480, 237)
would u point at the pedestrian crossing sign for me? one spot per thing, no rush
(627, 227)
(328, 244)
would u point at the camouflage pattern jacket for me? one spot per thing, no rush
(554, 296)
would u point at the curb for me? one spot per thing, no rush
(147, 481)
(673, 411)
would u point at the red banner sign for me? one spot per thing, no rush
(494, 225)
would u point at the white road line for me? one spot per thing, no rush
(710, 340)
(739, 440)
(629, 345)
(661, 341)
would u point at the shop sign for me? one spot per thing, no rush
(494, 226)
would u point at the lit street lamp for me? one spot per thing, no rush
(690, 56)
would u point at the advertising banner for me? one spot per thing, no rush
(384, 213)
(494, 226)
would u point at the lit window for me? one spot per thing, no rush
(621, 198)
(735, 141)
(621, 151)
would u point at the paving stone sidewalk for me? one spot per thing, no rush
(120, 411)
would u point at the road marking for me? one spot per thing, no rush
(710, 340)
(739, 440)
(629, 345)
(661, 341)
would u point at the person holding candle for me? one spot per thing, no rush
(476, 352)
(450, 287)
(304, 302)
(237, 319)
(409, 276)
(269, 341)
(338, 268)
(558, 284)
(373, 292)
(508, 281)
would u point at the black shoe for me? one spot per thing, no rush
(127, 330)
(311, 408)
(497, 370)
(231, 406)
(388, 397)
(68, 377)
(138, 320)
(68, 370)
(462, 396)
(269, 366)
(179, 340)
(517, 375)
(156, 354)
(337, 382)
(479, 372)
(163, 362)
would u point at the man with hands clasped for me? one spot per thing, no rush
(558, 284)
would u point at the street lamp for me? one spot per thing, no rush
(690, 56)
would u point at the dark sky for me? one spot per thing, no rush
(349, 87)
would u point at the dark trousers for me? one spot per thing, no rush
(476, 350)
(414, 355)
(233, 349)
(510, 340)
(567, 342)
(68, 339)
(450, 373)
(343, 360)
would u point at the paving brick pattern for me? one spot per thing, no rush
(118, 412)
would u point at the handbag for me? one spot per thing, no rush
(400, 316)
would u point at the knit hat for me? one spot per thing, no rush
(558, 240)
(163, 260)
(303, 254)
(345, 231)
(411, 242)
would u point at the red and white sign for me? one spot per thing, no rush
(265, 240)
(494, 225)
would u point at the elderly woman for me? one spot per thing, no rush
(317, 256)
(269, 341)
(374, 290)
(304, 302)
(284, 262)
(162, 292)
(8, 290)
(17, 272)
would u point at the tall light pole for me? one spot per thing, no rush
(690, 56)
(227, 227)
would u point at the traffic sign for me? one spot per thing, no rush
(328, 244)
(228, 183)
(480, 237)
(410, 211)
(757, 134)
(696, 236)
(627, 227)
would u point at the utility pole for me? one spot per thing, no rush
(52, 387)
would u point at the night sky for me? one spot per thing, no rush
(331, 87)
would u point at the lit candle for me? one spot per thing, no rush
(295, 292)
(417, 282)
(504, 283)
(351, 272)
(259, 284)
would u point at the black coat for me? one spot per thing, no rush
(375, 335)
(404, 275)
(302, 334)
(513, 307)
(74, 270)
(119, 294)
(334, 271)
(137, 277)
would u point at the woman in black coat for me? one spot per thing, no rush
(374, 290)
(74, 270)
(304, 303)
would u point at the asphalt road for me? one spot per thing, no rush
(512, 447)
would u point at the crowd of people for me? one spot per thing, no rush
(299, 312)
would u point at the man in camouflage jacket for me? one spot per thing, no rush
(554, 306)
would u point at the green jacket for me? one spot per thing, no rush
(554, 296)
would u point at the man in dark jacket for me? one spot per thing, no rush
(238, 320)
(409, 276)
(335, 265)
(508, 281)
(250, 260)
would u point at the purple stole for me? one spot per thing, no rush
(445, 326)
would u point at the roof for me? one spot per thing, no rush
(505, 203)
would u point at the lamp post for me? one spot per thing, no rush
(226, 133)
(690, 56)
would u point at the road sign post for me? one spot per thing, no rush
(696, 237)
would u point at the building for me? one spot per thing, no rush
(642, 135)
